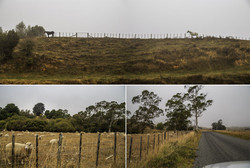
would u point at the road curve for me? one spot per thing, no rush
(215, 148)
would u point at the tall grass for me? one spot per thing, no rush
(174, 152)
(70, 150)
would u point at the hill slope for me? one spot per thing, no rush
(110, 60)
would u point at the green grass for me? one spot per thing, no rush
(175, 155)
(110, 60)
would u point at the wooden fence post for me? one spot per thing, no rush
(154, 143)
(130, 149)
(97, 150)
(59, 150)
(13, 152)
(140, 147)
(158, 141)
(115, 147)
(80, 151)
(148, 144)
(36, 151)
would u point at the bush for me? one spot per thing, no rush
(2, 125)
(36, 125)
(8, 42)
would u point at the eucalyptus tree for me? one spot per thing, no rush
(148, 108)
(177, 112)
(197, 101)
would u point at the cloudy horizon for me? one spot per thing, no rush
(209, 17)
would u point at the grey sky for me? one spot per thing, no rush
(74, 98)
(209, 17)
(231, 103)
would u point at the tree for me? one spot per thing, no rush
(1, 30)
(160, 126)
(218, 125)
(177, 113)
(198, 103)
(38, 109)
(8, 111)
(148, 109)
(35, 31)
(53, 114)
(8, 42)
(21, 29)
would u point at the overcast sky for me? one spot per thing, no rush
(74, 98)
(231, 103)
(209, 17)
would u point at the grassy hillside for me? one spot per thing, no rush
(110, 60)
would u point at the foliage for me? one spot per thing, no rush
(8, 111)
(21, 29)
(198, 103)
(177, 113)
(160, 126)
(148, 109)
(218, 125)
(8, 42)
(38, 109)
(1, 30)
(34, 31)
(176, 155)
(53, 114)
(2, 125)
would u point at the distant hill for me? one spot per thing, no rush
(112, 60)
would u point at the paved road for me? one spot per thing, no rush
(216, 148)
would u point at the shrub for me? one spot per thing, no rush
(36, 125)
(8, 42)
(2, 125)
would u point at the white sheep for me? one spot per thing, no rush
(40, 137)
(6, 135)
(53, 141)
(22, 151)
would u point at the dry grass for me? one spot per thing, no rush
(70, 149)
(171, 137)
(244, 134)
(110, 60)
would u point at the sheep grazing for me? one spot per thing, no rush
(22, 151)
(40, 137)
(19, 134)
(53, 141)
(6, 135)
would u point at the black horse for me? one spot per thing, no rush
(50, 33)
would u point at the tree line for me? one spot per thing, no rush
(110, 116)
(179, 109)
(102, 116)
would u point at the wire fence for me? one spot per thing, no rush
(140, 146)
(142, 36)
(70, 150)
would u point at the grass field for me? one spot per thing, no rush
(174, 151)
(70, 149)
(128, 61)
(239, 134)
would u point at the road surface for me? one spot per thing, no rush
(216, 148)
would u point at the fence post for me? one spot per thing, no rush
(158, 141)
(36, 151)
(13, 152)
(115, 147)
(130, 149)
(59, 150)
(140, 147)
(164, 135)
(97, 150)
(154, 143)
(167, 135)
(80, 151)
(148, 144)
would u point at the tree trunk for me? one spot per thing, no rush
(196, 121)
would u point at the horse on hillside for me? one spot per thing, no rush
(192, 34)
(50, 33)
